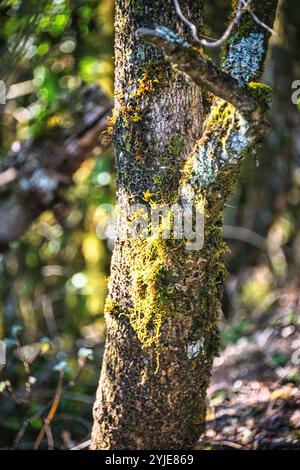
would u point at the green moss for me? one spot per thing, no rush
(153, 289)
(167, 280)
(222, 120)
(111, 307)
(148, 196)
(261, 91)
(176, 145)
(158, 180)
(149, 294)
(210, 169)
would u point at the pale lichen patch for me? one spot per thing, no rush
(205, 165)
(245, 57)
(225, 140)
(195, 348)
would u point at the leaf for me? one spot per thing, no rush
(4, 385)
(10, 343)
(86, 353)
(37, 423)
(61, 366)
(284, 393)
(45, 345)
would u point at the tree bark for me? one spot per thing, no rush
(174, 143)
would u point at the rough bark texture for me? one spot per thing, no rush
(164, 301)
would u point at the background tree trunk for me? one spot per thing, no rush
(164, 301)
(271, 191)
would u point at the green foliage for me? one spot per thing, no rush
(53, 281)
(239, 330)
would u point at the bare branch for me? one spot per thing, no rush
(258, 21)
(241, 7)
(202, 71)
(83, 445)
(203, 42)
(32, 179)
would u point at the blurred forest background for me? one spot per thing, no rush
(53, 280)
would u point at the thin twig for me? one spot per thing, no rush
(246, 235)
(52, 411)
(258, 21)
(83, 445)
(25, 425)
(203, 42)
(49, 438)
(221, 443)
(203, 71)
(242, 6)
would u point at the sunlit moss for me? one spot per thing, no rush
(261, 91)
(176, 145)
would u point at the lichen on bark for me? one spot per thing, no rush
(164, 301)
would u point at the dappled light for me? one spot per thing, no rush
(149, 210)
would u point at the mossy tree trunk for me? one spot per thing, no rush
(174, 143)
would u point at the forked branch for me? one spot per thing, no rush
(33, 177)
(202, 71)
(241, 7)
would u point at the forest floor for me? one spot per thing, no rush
(254, 396)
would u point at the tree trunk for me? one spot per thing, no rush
(173, 144)
(271, 192)
(281, 192)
